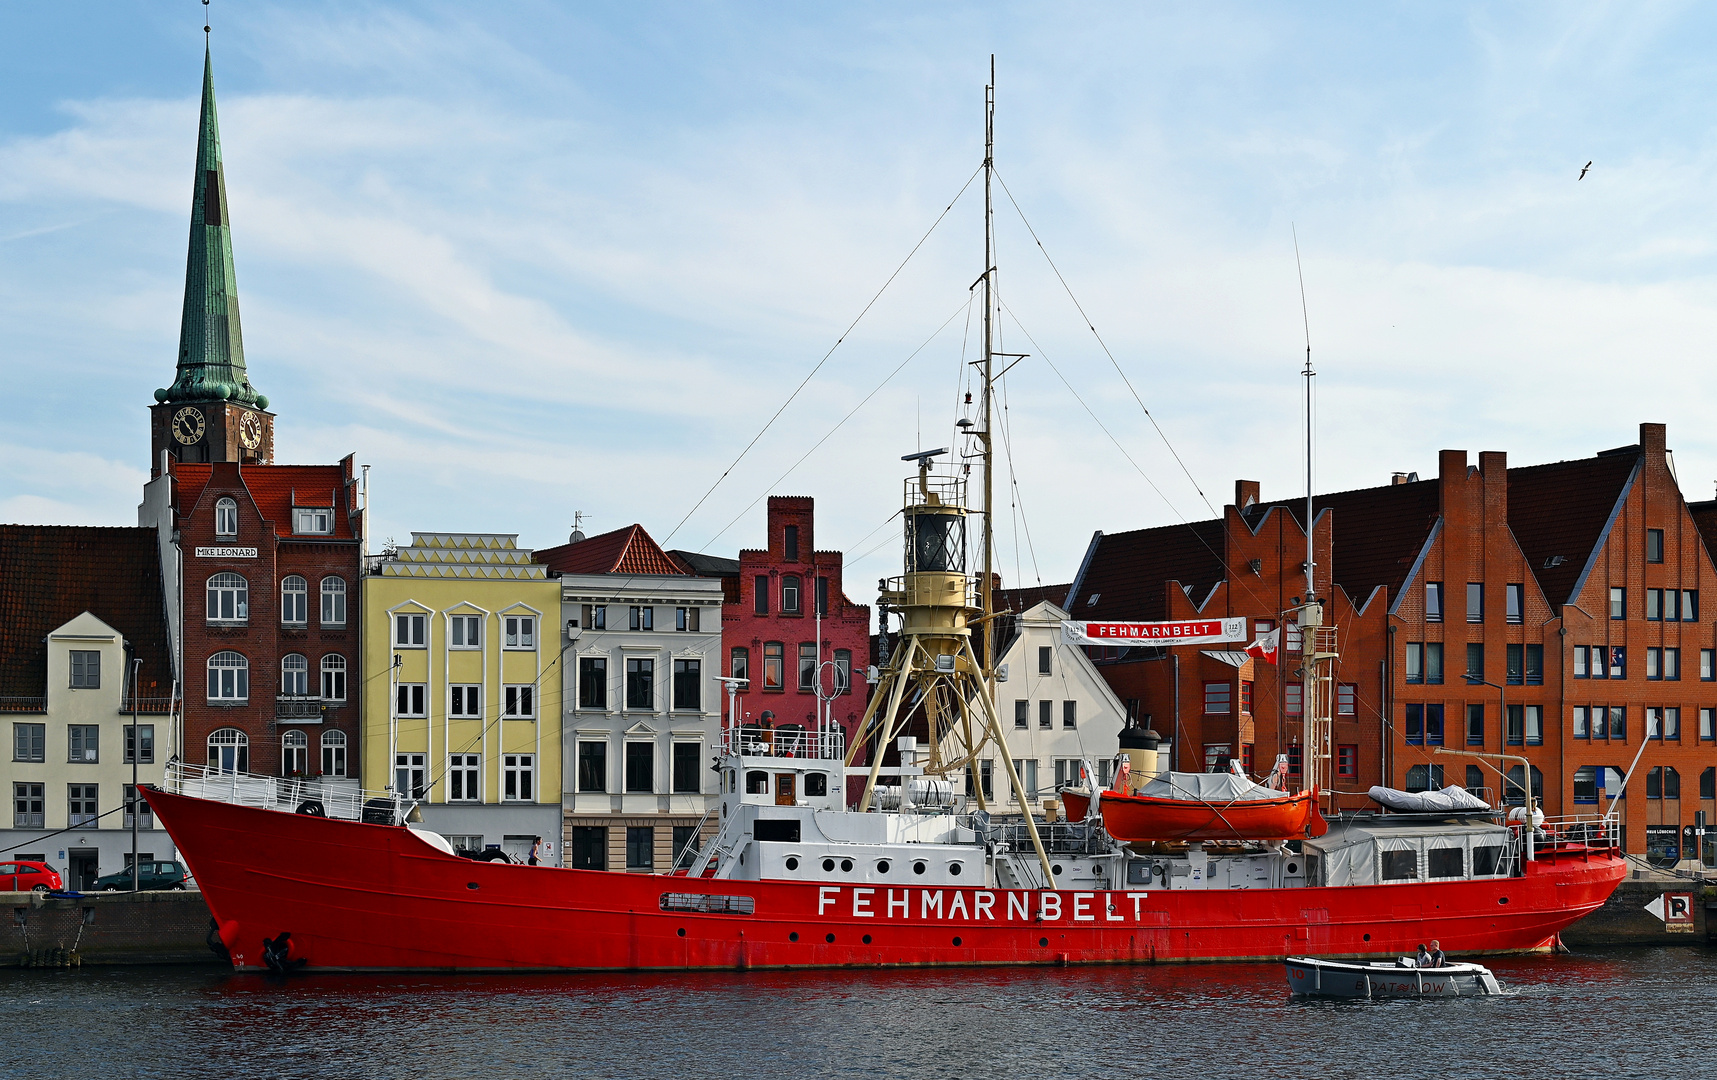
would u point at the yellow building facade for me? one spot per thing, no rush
(462, 702)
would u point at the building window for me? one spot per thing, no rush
(520, 701)
(1347, 761)
(1022, 714)
(688, 760)
(688, 620)
(1708, 664)
(1672, 664)
(229, 598)
(83, 800)
(1586, 785)
(1534, 725)
(641, 767)
(774, 661)
(1516, 602)
(1069, 715)
(29, 742)
(1293, 639)
(593, 682)
(1475, 601)
(83, 742)
(313, 521)
(409, 699)
(1654, 604)
(739, 665)
(334, 677)
(843, 671)
(136, 806)
(1433, 725)
(1295, 759)
(1421, 778)
(1475, 725)
(1664, 723)
(1515, 727)
(28, 811)
(1618, 722)
(688, 684)
(1045, 659)
(518, 777)
(1218, 698)
(1475, 661)
(592, 766)
(595, 616)
(294, 754)
(333, 602)
(462, 775)
(1516, 665)
(229, 678)
(760, 594)
(1618, 602)
(1246, 696)
(1413, 727)
(822, 596)
(1434, 662)
(686, 843)
(790, 594)
(294, 601)
(986, 779)
(1346, 699)
(1581, 671)
(229, 751)
(410, 773)
(790, 543)
(1414, 666)
(641, 617)
(226, 517)
(1433, 601)
(1475, 782)
(1707, 723)
(640, 847)
(86, 669)
(1654, 545)
(294, 676)
(1026, 770)
(1654, 663)
(1618, 662)
(464, 632)
(589, 847)
(408, 631)
(1535, 665)
(807, 667)
(1690, 605)
(521, 632)
(463, 701)
(640, 684)
(334, 753)
(1293, 699)
(1662, 783)
(1046, 715)
(1580, 723)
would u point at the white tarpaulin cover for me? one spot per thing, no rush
(1453, 797)
(1350, 854)
(1211, 787)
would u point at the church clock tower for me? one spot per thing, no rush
(211, 412)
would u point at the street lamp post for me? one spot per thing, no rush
(136, 747)
(1502, 736)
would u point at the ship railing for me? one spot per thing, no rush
(326, 796)
(786, 741)
(1059, 838)
(1572, 832)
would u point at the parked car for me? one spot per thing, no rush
(150, 875)
(29, 877)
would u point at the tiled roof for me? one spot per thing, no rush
(1026, 597)
(701, 565)
(623, 551)
(50, 574)
(1705, 518)
(1558, 511)
(275, 489)
(1378, 532)
(1128, 570)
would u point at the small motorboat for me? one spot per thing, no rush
(1402, 978)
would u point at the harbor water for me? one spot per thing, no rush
(1625, 1012)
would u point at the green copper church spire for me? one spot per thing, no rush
(211, 348)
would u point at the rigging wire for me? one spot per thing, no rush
(819, 366)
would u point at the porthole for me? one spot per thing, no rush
(682, 931)
(917, 868)
(1055, 869)
(1098, 870)
(828, 866)
(846, 866)
(1043, 943)
(1368, 937)
(472, 885)
(1293, 868)
(792, 863)
(956, 943)
(830, 938)
(794, 936)
(867, 939)
(954, 869)
(1502, 899)
(882, 866)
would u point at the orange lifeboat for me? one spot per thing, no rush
(1213, 817)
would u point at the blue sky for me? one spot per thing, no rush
(530, 259)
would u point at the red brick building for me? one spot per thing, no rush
(1572, 589)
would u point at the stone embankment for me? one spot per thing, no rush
(104, 928)
(1628, 917)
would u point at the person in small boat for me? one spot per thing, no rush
(1424, 957)
(1437, 959)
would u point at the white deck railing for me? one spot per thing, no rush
(336, 798)
(791, 740)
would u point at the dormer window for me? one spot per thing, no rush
(316, 522)
(226, 517)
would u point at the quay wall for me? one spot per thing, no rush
(1624, 920)
(104, 928)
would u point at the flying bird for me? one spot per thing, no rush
(1584, 171)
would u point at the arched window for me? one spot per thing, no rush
(790, 594)
(229, 598)
(757, 783)
(229, 751)
(229, 678)
(226, 517)
(294, 676)
(334, 677)
(333, 601)
(1514, 789)
(1662, 782)
(294, 754)
(333, 753)
(294, 600)
(1425, 778)
(1586, 784)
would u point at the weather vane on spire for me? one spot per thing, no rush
(205, 18)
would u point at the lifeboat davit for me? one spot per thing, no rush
(1207, 816)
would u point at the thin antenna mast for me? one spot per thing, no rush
(986, 601)
(1309, 373)
(1317, 641)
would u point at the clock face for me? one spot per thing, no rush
(188, 425)
(250, 431)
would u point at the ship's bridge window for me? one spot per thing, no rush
(936, 543)
(816, 784)
(1400, 865)
(1447, 862)
(1487, 859)
(757, 782)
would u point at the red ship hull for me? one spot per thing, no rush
(360, 897)
(1131, 818)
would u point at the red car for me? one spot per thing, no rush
(29, 877)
